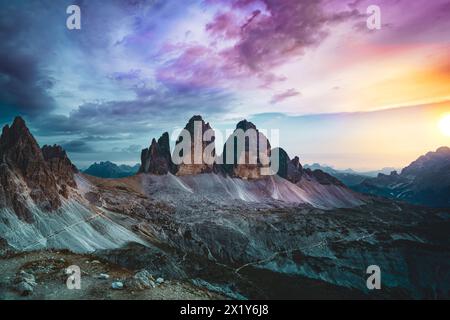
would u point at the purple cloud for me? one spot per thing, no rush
(264, 34)
(277, 98)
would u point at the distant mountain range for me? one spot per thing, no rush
(111, 170)
(348, 177)
(425, 181)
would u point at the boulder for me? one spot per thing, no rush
(24, 288)
(117, 285)
(142, 280)
(25, 283)
(103, 276)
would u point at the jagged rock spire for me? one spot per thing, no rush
(28, 171)
(156, 159)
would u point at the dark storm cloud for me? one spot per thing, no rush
(163, 110)
(24, 84)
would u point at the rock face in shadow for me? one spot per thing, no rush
(288, 169)
(248, 144)
(29, 173)
(323, 177)
(426, 181)
(200, 155)
(293, 171)
(156, 159)
(61, 166)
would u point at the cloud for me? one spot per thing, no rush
(133, 149)
(77, 146)
(161, 110)
(24, 85)
(283, 96)
(248, 40)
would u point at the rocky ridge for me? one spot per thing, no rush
(29, 172)
(426, 181)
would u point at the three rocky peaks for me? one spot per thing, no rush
(46, 175)
(157, 159)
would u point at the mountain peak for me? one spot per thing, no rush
(430, 161)
(196, 117)
(18, 135)
(47, 173)
(193, 160)
(157, 159)
(443, 150)
(241, 163)
(19, 123)
(245, 125)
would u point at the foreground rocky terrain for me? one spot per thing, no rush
(291, 244)
(41, 275)
(220, 232)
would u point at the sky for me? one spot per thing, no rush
(339, 93)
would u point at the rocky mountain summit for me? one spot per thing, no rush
(197, 160)
(157, 158)
(240, 158)
(249, 146)
(28, 172)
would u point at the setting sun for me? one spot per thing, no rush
(444, 125)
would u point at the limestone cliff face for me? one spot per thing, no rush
(156, 159)
(248, 145)
(28, 173)
(245, 154)
(197, 159)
